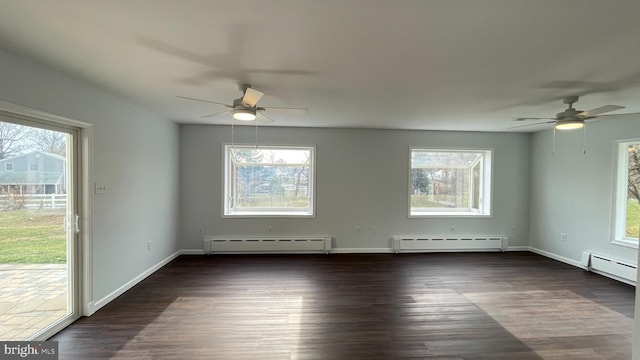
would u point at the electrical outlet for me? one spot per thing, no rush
(358, 229)
(270, 229)
(200, 230)
(563, 237)
(148, 245)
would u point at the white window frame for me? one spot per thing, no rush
(484, 208)
(6, 167)
(229, 211)
(32, 165)
(621, 176)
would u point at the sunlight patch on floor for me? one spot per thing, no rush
(544, 319)
(242, 327)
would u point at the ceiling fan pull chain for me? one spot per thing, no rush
(554, 140)
(232, 132)
(256, 133)
(584, 139)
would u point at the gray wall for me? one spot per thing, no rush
(135, 155)
(572, 193)
(361, 180)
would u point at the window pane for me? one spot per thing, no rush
(270, 156)
(426, 158)
(269, 181)
(447, 182)
(476, 183)
(440, 188)
(632, 221)
(266, 186)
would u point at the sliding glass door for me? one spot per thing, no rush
(38, 227)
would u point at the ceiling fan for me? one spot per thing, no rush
(246, 107)
(575, 119)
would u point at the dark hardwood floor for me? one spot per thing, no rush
(409, 306)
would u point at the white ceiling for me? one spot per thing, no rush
(436, 65)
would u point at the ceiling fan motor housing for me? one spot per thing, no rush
(243, 112)
(238, 104)
(568, 114)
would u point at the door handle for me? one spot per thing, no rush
(76, 224)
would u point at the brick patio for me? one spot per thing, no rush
(31, 297)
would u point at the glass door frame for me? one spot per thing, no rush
(78, 164)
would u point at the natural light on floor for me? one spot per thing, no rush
(553, 315)
(251, 326)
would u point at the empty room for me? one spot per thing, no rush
(319, 179)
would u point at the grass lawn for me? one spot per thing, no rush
(439, 201)
(269, 201)
(32, 237)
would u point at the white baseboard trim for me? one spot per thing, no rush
(332, 251)
(191, 252)
(351, 251)
(89, 308)
(557, 257)
(517, 248)
(361, 251)
(94, 306)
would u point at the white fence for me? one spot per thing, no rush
(39, 201)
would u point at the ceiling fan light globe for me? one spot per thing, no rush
(244, 115)
(569, 125)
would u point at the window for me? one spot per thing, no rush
(445, 182)
(627, 194)
(269, 181)
(33, 167)
(8, 167)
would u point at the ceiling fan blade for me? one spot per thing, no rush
(620, 116)
(528, 118)
(213, 114)
(251, 97)
(521, 126)
(207, 101)
(285, 111)
(602, 110)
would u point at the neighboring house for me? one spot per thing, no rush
(37, 172)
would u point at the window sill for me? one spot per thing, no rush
(262, 214)
(626, 243)
(446, 214)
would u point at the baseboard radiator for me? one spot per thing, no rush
(267, 244)
(616, 269)
(430, 243)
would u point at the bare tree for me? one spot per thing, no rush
(12, 139)
(634, 172)
(49, 141)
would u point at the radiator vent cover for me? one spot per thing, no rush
(267, 244)
(616, 269)
(434, 243)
